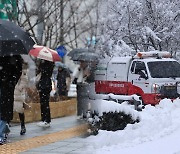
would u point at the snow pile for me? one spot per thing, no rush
(156, 123)
(101, 106)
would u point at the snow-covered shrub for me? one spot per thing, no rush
(111, 116)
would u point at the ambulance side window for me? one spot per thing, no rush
(133, 66)
(140, 66)
(140, 69)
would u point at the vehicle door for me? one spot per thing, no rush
(138, 76)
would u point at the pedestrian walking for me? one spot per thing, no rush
(10, 72)
(20, 97)
(79, 78)
(44, 87)
(63, 82)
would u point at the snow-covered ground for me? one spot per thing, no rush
(158, 132)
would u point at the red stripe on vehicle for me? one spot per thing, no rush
(125, 88)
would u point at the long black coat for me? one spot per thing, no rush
(46, 69)
(10, 72)
(44, 88)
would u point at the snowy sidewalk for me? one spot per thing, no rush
(64, 136)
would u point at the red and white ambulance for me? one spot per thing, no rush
(151, 75)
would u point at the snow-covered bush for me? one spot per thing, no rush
(111, 116)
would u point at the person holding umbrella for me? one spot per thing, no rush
(47, 57)
(79, 77)
(83, 76)
(10, 72)
(14, 41)
(44, 88)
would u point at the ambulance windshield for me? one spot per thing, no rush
(164, 69)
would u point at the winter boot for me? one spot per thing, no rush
(4, 131)
(23, 130)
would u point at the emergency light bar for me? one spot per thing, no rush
(158, 54)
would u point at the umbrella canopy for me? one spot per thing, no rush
(13, 39)
(45, 53)
(88, 57)
(74, 54)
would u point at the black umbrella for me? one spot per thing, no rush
(13, 39)
(74, 54)
(87, 57)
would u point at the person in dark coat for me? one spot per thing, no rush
(63, 82)
(44, 88)
(10, 72)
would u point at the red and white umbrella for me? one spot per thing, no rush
(45, 53)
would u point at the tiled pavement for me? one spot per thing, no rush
(75, 145)
(70, 128)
